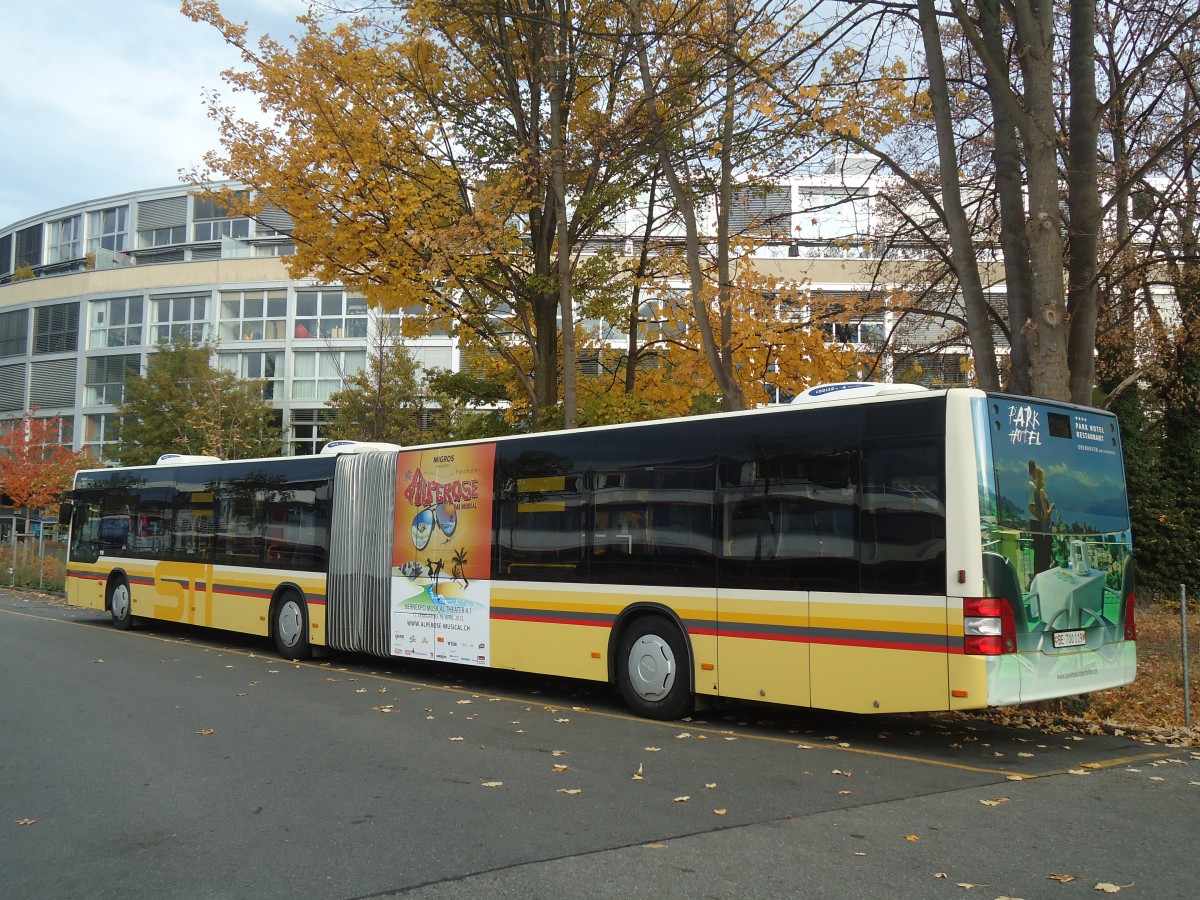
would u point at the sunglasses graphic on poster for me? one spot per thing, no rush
(441, 556)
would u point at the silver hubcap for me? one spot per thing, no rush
(651, 667)
(120, 601)
(290, 623)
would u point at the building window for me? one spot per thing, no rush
(762, 211)
(66, 240)
(108, 229)
(12, 388)
(266, 365)
(116, 323)
(52, 383)
(162, 237)
(287, 249)
(100, 432)
(14, 333)
(253, 315)
(825, 213)
(870, 330)
(179, 319)
(29, 246)
(60, 430)
(315, 376)
(106, 376)
(308, 426)
(434, 357)
(214, 231)
(330, 314)
(211, 220)
(56, 328)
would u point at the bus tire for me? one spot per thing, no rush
(652, 669)
(120, 603)
(289, 626)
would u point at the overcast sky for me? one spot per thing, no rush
(101, 98)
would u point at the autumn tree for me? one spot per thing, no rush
(703, 70)
(384, 401)
(1017, 163)
(35, 466)
(184, 405)
(426, 152)
(1149, 348)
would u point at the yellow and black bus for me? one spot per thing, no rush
(868, 548)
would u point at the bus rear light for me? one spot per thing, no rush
(1130, 620)
(988, 627)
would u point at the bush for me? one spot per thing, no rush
(29, 570)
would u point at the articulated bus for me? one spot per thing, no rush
(875, 548)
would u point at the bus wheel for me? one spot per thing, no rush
(120, 603)
(289, 627)
(651, 669)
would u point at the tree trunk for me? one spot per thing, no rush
(556, 46)
(1011, 192)
(962, 247)
(1083, 191)
(732, 398)
(686, 201)
(1047, 332)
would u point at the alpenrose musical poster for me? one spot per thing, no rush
(441, 558)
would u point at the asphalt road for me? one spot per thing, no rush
(173, 762)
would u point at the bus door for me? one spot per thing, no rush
(184, 572)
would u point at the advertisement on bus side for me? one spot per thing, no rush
(441, 557)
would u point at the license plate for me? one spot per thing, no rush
(1069, 638)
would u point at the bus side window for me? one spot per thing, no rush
(903, 518)
(541, 509)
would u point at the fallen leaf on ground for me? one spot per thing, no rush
(995, 802)
(720, 812)
(683, 799)
(1064, 879)
(206, 731)
(25, 822)
(570, 790)
(493, 783)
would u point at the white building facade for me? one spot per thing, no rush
(88, 291)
